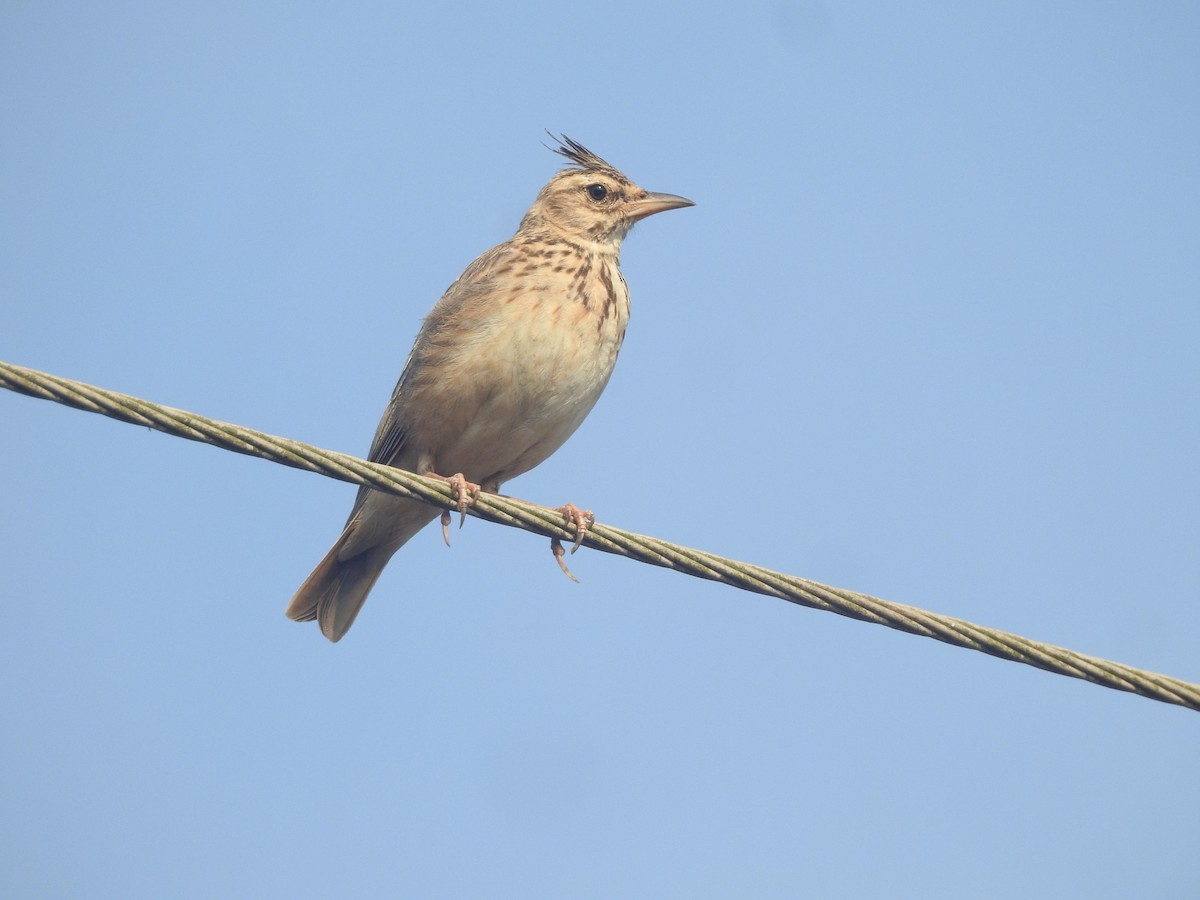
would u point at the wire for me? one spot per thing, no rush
(550, 523)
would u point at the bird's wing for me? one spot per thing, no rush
(391, 436)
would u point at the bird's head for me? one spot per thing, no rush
(593, 203)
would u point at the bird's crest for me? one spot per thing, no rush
(581, 156)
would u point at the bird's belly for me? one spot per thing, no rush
(532, 381)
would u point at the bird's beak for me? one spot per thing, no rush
(656, 203)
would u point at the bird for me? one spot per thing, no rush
(504, 369)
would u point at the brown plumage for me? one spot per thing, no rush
(505, 368)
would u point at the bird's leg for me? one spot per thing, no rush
(581, 520)
(465, 493)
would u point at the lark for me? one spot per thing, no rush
(506, 366)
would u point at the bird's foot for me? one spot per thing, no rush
(582, 520)
(465, 494)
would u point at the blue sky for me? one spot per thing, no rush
(929, 333)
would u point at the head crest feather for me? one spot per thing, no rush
(581, 156)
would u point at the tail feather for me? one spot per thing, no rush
(337, 589)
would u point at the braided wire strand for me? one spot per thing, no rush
(550, 523)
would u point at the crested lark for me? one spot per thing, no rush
(504, 369)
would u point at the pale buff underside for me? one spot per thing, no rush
(506, 395)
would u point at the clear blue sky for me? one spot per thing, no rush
(930, 333)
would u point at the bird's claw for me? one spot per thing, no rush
(581, 520)
(465, 494)
(556, 548)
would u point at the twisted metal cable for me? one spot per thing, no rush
(550, 523)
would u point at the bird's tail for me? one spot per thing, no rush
(337, 589)
(339, 586)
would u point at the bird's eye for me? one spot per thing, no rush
(597, 192)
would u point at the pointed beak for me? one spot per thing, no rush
(656, 203)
